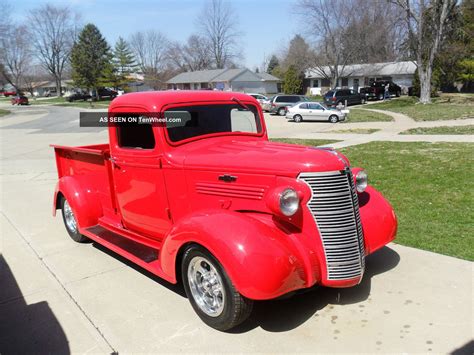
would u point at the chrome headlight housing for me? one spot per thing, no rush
(362, 181)
(289, 202)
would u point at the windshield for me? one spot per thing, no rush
(193, 121)
(329, 94)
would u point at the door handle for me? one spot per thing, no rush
(114, 163)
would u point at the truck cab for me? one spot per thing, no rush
(190, 188)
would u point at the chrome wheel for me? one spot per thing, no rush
(206, 286)
(69, 218)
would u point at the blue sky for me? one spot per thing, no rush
(266, 25)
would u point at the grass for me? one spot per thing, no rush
(61, 101)
(361, 115)
(468, 129)
(446, 107)
(4, 112)
(356, 130)
(308, 142)
(431, 189)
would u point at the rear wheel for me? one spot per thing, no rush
(381, 96)
(210, 291)
(282, 111)
(70, 222)
(333, 119)
(398, 94)
(298, 118)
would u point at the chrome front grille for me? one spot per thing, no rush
(335, 209)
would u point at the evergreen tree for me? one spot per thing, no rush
(124, 60)
(90, 58)
(272, 64)
(292, 83)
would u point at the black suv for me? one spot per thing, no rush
(340, 96)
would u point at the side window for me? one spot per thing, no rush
(293, 99)
(280, 99)
(136, 135)
(315, 107)
(304, 106)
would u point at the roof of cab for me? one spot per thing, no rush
(155, 100)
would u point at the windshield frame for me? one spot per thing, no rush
(262, 133)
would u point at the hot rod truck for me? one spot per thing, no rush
(205, 199)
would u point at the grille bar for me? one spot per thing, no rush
(335, 208)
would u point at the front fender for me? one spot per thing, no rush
(83, 200)
(261, 261)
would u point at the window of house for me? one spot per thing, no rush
(195, 86)
(345, 82)
(325, 82)
(136, 135)
(315, 83)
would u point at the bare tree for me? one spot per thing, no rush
(218, 24)
(349, 31)
(299, 55)
(54, 30)
(151, 52)
(426, 22)
(15, 56)
(194, 55)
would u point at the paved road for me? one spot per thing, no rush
(57, 296)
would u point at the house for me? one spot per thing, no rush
(48, 88)
(355, 76)
(242, 80)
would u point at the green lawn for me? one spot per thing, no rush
(356, 130)
(431, 189)
(361, 115)
(308, 142)
(4, 112)
(446, 107)
(468, 129)
(430, 186)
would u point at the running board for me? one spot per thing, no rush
(140, 254)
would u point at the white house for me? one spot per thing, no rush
(242, 80)
(355, 76)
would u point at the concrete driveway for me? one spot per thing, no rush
(58, 296)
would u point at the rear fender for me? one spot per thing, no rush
(84, 201)
(261, 261)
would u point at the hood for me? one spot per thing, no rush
(259, 156)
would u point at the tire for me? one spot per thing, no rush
(298, 118)
(333, 119)
(381, 96)
(281, 111)
(363, 101)
(398, 94)
(68, 217)
(234, 308)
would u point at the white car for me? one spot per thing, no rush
(259, 97)
(315, 111)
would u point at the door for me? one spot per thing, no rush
(139, 181)
(317, 112)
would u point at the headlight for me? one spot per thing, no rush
(361, 181)
(289, 202)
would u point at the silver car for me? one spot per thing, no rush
(315, 111)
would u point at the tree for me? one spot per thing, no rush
(298, 55)
(194, 55)
(90, 58)
(292, 83)
(426, 22)
(218, 25)
(123, 58)
(15, 56)
(151, 52)
(272, 64)
(54, 30)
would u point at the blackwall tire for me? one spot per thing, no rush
(70, 222)
(333, 119)
(211, 292)
(298, 118)
(281, 111)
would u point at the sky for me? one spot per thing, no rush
(266, 25)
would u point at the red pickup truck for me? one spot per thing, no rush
(204, 198)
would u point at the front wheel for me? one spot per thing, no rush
(70, 222)
(210, 291)
(298, 118)
(333, 119)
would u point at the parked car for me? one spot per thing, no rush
(315, 111)
(341, 96)
(279, 103)
(377, 90)
(207, 201)
(106, 93)
(78, 96)
(259, 97)
(9, 93)
(20, 100)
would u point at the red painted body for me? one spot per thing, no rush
(170, 196)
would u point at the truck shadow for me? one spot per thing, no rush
(26, 328)
(287, 314)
